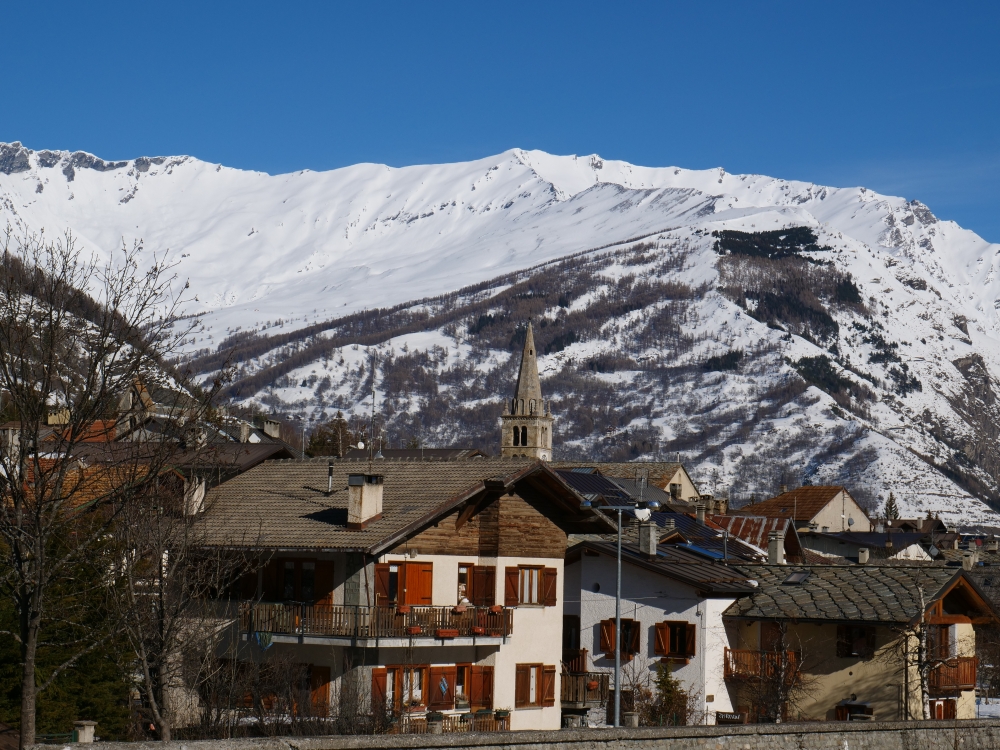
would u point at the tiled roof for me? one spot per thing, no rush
(659, 471)
(853, 593)
(802, 503)
(284, 505)
(595, 486)
(752, 529)
(679, 564)
(419, 454)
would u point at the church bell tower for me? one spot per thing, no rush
(527, 421)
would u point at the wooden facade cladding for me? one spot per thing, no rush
(508, 526)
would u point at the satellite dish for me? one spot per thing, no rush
(361, 445)
(643, 514)
(850, 521)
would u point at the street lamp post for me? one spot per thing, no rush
(642, 508)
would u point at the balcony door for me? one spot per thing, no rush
(404, 582)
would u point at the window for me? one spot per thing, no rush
(675, 639)
(397, 688)
(288, 581)
(631, 630)
(941, 642)
(854, 640)
(534, 685)
(524, 436)
(528, 584)
(464, 582)
(517, 436)
(571, 632)
(308, 582)
(403, 583)
(484, 585)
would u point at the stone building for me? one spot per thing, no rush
(527, 419)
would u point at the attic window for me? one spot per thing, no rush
(798, 577)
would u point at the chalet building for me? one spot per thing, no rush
(836, 642)
(527, 420)
(424, 586)
(673, 597)
(816, 508)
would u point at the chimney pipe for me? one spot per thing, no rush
(992, 545)
(649, 534)
(784, 489)
(699, 511)
(775, 554)
(863, 556)
(329, 478)
(967, 561)
(244, 432)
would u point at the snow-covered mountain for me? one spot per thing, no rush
(657, 339)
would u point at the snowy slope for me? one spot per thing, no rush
(267, 253)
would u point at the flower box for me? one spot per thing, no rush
(592, 685)
(403, 609)
(478, 630)
(446, 633)
(413, 630)
(496, 609)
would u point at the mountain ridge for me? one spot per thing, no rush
(302, 253)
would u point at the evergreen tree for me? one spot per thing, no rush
(891, 509)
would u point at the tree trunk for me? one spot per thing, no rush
(29, 646)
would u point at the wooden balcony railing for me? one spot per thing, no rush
(744, 664)
(584, 690)
(452, 724)
(348, 621)
(954, 675)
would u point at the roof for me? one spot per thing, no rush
(284, 504)
(418, 454)
(659, 472)
(752, 529)
(594, 486)
(678, 564)
(871, 539)
(853, 593)
(801, 504)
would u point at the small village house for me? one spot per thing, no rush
(816, 508)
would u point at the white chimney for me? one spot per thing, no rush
(272, 428)
(775, 553)
(649, 537)
(244, 432)
(364, 499)
(863, 556)
(968, 560)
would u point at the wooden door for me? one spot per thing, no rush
(324, 583)
(319, 689)
(418, 583)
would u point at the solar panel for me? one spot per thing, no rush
(798, 576)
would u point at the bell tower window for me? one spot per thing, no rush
(524, 435)
(517, 436)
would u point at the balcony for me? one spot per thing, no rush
(953, 676)
(574, 660)
(293, 621)
(744, 664)
(584, 690)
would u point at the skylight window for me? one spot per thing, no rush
(798, 577)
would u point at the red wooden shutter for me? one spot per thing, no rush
(950, 708)
(548, 685)
(324, 582)
(476, 687)
(319, 689)
(378, 690)
(484, 585)
(419, 583)
(691, 638)
(511, 583)
(661, 639)
(607, 636)
(549, 590)
(843, 641)
(435, 697)
(382, 584)
(522, 685)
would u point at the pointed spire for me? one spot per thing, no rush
(528, 385)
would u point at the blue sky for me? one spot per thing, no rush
(901, 97)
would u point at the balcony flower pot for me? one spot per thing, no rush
(403, 609)
(435, 716)
(413, 630)
(592, 685)
(446, 633)
(502, 713)
(478, 630)
(496, 609)
(459, 609)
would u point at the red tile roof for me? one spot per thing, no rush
(800, 504)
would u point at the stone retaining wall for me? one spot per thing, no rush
(976, 734)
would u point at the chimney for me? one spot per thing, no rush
(272, 428)
(649, 537)
(967, 561)
(992, 545)
(863, 556)
(784, 489)
(669, 526)
(775, 554)
(364, 499)
(244, 432)
(699, 511)
(709, 501)
(722, 505)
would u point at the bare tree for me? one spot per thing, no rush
(75, 335)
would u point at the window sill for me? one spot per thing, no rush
(675, 659)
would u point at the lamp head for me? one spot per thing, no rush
(653, 505)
